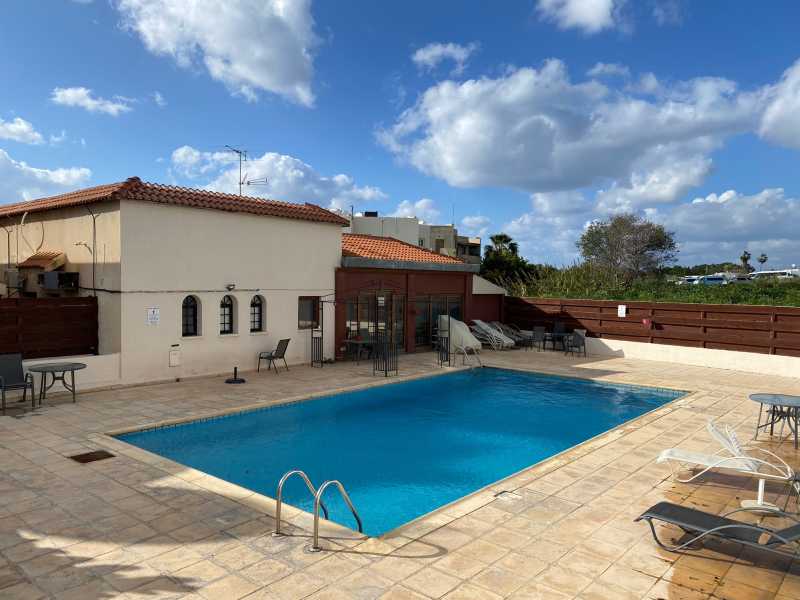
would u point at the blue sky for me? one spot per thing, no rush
(534, 119)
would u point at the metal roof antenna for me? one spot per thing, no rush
(242, 154)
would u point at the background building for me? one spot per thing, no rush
(442, 239)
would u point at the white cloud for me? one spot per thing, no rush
(781, 121)
(423, 209)
(20, 181)
(430, 56)
(57, 139)
(20, 130)
(667, 12)
(669, 179)
(590, 16)
(248, 45)
(732, 216)
(82, 97)
(536, 130)
(602, 69)
(475, 224)
(159, 99)
(287, 178)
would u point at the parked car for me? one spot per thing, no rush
(688, 280)
(711, 280)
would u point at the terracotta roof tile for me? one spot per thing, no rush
(41, 259)
(136, 189)
(384, 248)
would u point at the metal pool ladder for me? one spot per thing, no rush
(315, 547)
(467, 357)
(279, 497)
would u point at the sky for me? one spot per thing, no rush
(531, 117)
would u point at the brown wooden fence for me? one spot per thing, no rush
(45, 327)
(763, 329)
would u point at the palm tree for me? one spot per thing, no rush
(501, 243)
(762, 259)
(745, 258)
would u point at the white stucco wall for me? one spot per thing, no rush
(405, 229)
(749, 362)
(170, 252)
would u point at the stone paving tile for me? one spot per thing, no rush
(141, 526)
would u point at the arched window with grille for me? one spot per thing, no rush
(257, 321)
(226, 315)
(190, 316)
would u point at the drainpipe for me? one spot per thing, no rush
(94, 248)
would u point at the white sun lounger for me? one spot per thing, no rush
(732, 456)
(502, 340)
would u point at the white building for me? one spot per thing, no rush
(442, 239)
(198, 280)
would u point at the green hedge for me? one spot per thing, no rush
(583, 281)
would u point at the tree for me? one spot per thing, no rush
(745, 258)
(629, 244)
(762, 259)
(502, 263)
(502, 242)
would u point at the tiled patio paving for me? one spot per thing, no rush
(137, 526)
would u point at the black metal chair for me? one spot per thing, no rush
(575, 343)
(13, 377)
(559, 334)
(275, 355)
(539, 337)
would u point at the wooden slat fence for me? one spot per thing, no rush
(746, 328)
(48, 327)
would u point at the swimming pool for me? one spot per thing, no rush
(404, 449)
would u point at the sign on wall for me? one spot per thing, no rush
(622, 310)
(153, 316)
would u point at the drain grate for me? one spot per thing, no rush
(88, 457)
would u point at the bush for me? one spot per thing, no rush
(593, 283)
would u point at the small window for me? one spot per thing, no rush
(189, 317)
(226, 315)
(308, 312)
(256, 314)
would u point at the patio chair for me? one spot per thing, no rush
(504, 340)
(733, 456)
(701, 525)
(575, 343)
(485, 338)
(539, 337)
(275, 355)
(13, 377)
(519, 338)
(559, 334)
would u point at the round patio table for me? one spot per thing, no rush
(781, 409)
(58, 371)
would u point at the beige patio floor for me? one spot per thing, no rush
(140, 526)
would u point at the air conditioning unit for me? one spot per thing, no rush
(12, 278)
(59, 280)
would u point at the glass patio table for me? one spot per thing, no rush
(58, 372)
(781, 409)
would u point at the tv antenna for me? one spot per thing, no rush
(242, 154)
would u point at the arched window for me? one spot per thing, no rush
(257, 314)
(190, 322)
(226, 323)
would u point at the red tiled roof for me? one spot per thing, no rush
(41, 259)
(136, 189)
(383, 248)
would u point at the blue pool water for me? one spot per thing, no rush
(404, 449)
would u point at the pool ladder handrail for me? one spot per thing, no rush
(315, 547)
(279, 497)
(466, 358)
